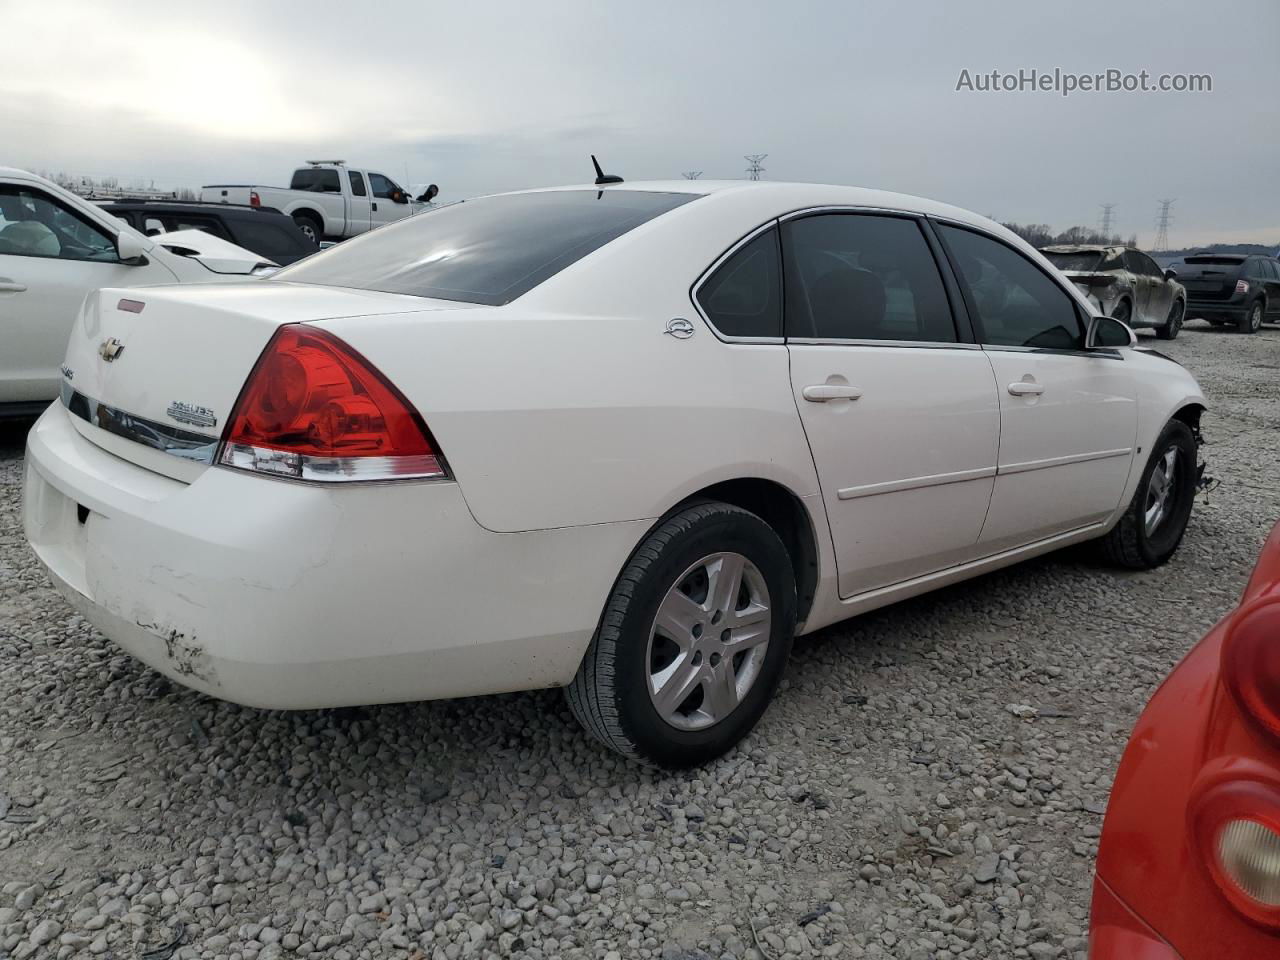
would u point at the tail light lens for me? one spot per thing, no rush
(1236, 826)
(1242, 286)
(254, 199)
(1251, 665)
(314, 409)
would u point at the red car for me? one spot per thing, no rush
(1189, 862)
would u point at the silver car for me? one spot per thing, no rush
(1125, 283)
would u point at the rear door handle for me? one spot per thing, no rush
(822, 392)
(11, 286)
(1024, 388)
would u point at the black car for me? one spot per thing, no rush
(264, 230)
(1231, 289)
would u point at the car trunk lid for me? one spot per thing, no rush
(152, 374)
(1209, 277)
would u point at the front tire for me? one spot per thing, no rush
(1172, 325)
(1123, 312)
(1251, 322)
(1153, 524)
(693, 641)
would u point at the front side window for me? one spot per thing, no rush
(860, 277)
(34, 224)
(489, 250)
(356, 179)
(1016, 303)
(381, 186)
(315, 180)
(743, 298)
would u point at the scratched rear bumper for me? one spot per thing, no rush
(288, 595)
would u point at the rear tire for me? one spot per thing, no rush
(617, 694)
(311, 228)
(1171, 326)
(1123, 311)
(1137, 542)
(1251, 322)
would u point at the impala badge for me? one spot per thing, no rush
(680, 328)
(190, 413)
(110, 349)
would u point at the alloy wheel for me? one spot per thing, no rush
(1160, 490)
(1255, 318)
(708, 641)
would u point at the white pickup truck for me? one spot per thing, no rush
(328, 200)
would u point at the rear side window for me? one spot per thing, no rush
(270, 240)
(316, 180)
(356, 179)
(859, 277)
(1017, 304)
(490, 250)
(743, 298)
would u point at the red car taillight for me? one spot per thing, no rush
(1237, 831)
(254, 199)
(1251, 665)
(1242, 286)
(314, 409)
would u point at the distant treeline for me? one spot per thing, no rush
(1042, 235)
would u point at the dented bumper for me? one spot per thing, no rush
(279, 594)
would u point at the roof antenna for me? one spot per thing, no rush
(602, 177)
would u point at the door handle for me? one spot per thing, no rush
(11, 286)
(822, 392)
(1026, 388)
(373, 206)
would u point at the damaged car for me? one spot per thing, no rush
(1124, 283)
(628, 439)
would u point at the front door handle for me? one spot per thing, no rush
(11, 286)
(822, 392)
(1026, 388)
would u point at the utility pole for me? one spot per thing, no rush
(1105, 229)
(1162, 226)
(692, 174)
(754, 169)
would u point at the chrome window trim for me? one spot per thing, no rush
(176, 442)
(922, 344)
(1103, 353)
(715, 265)
(850, 208)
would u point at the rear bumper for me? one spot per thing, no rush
(1117, 933)
(279, 594)
(1216, 309)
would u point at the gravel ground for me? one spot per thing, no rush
(929, 782)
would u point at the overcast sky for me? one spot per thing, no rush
(501, 94)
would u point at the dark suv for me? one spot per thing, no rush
(264, 230)
(1235, 289)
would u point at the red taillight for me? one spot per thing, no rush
(1236, 830)
(254, 199)
(1242, 286)
(314, 409)
(1251, 664)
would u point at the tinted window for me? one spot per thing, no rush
(489, 250)
(1113, 261)
(271, 240)
(357, 183)
(1017, 305)
(381, 186)
(1149, 266)
(855, 277)
(315, 180)
(34, 224)
(1085, 262)
(1272, 271)
(743, 298)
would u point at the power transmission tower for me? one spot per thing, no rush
(1105, 229)
(754, 169)
(692, 174)
(1162, 226)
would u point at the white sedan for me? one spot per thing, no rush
(627, 440)
(55, 248)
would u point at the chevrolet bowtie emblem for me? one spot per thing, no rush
(110, 349)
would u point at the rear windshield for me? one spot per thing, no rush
(1081, 262)
(1222, 259)
(490, 250)
(317, 181)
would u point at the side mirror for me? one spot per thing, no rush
(130, 248)
(397, 196)
(429, 194)
(1107, 333)
(1170, 273)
